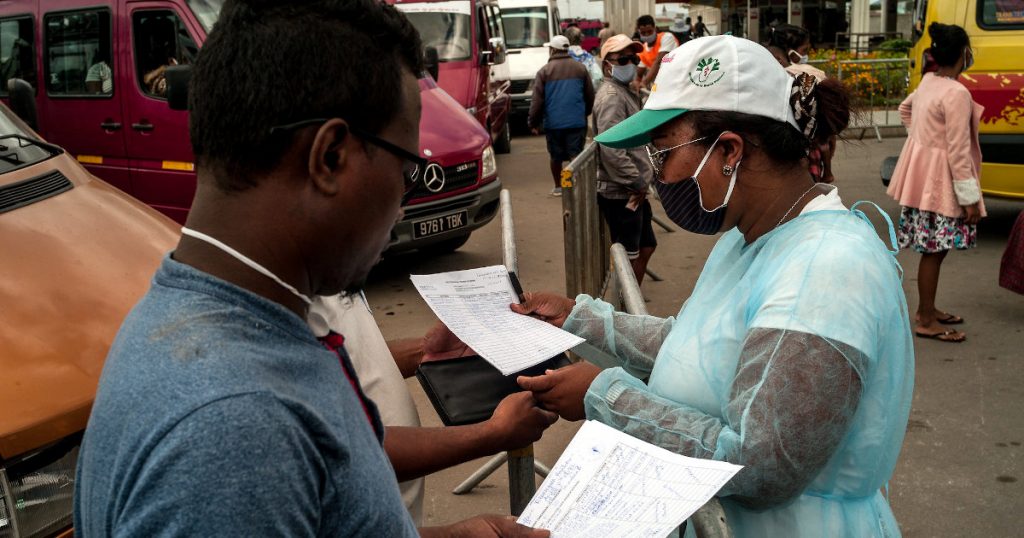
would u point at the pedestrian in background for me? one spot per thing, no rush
(624, 175)
(681, 29)
(605, 33)
(700, 29)
(656, 46)
(936, 178)
(563, 97)
(575, 37)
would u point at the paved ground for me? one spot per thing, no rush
(961, 472)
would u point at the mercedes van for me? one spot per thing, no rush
(96, 68)
(996, 81)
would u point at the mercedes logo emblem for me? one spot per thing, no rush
(433, 178)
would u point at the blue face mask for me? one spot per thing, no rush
(624, 73)
(684, 204)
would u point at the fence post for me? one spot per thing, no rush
(584, 265)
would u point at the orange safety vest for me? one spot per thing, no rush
(650, 54)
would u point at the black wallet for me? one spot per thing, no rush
(467, 389)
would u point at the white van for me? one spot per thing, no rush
(528, 25)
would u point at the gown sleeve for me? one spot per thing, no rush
(634, 341)
(790, 405)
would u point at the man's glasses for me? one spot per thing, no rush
(658, 157)
(627, 59)
(412, 164)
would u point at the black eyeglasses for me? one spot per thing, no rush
(412, 163)
(627, 59)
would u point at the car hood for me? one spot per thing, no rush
(448, 134)
(73, 266)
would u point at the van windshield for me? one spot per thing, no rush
(207, 11)
(444, 26)
(526, 26)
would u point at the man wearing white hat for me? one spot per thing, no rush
(563, 97)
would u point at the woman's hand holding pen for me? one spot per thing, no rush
(545, 306)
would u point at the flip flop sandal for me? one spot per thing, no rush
(950, 319)
(942, 336)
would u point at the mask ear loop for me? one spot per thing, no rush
(732, 178)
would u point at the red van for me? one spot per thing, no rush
(97, 67)
(468, 39)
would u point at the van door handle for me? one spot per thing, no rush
(145, 127)
(110, 125)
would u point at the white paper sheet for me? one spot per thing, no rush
(608, 483)
(474, 304)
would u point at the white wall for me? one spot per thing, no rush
(581, 9)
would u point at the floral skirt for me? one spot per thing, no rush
(928, 232)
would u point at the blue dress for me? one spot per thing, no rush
(792, 357)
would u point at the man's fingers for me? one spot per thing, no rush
(508, 528)
(539, 383)
(549, 416)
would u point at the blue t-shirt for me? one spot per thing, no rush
(220, 414)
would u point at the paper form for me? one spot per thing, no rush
(608, 483)
(474, 304)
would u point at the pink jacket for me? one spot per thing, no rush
(941, 159)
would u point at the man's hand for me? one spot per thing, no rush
(535, 130)
(562, 390)
(546, 306)
(440, 343)
(973, 214)
(486, 526)
(635, 199)
(518, 421)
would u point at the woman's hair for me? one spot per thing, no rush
(822, 110)
(948, 43)
(788, 37)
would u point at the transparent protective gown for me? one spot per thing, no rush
(792, 357)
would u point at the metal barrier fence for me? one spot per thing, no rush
(593, 266)
(878, 86)
(863, 41)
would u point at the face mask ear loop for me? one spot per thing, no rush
(732, 180)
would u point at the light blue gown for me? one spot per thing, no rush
(792, 357)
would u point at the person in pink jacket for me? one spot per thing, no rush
(936, 178)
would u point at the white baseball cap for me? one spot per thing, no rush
(559, 42)
(719, 73)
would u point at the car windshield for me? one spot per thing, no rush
(19, 148)
(207, 11)
(444, 26)
(525, 27)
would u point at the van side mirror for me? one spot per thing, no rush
(432, 62)
(177, 77)
(497, 52)
(23, 101)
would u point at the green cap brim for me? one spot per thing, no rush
(636, 130)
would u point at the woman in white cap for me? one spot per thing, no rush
(793, 355)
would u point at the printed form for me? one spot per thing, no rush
(608, 483)
(474, 304)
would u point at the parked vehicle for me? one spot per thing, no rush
(590, 28)
(469, 41)
(77, 255)
(996, 29)
(98, 69)
(528, 25)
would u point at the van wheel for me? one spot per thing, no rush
(504, 142)
(446, 246)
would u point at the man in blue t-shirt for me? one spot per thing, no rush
(219, 412)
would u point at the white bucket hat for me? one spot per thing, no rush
(719, 73)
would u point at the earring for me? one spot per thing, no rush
(727, 170)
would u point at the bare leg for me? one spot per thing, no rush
(927, 286)
(556, 173)
(640, 263)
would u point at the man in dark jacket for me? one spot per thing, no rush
(563, 97)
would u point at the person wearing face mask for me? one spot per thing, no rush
(936, 180)
(219, 411)
(790, 45)
(656, 45)
(623, 175)
(793, 355)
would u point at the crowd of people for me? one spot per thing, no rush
(251, 393)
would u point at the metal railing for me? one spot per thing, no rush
(863, 41)
(878, 87)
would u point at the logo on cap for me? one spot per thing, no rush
(706, 72)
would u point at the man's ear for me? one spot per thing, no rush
(329, 154)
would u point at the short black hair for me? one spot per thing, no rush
(788, 37)
(948, 43)
(645, 20)
(268, 63)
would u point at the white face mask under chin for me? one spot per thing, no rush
(244, 259)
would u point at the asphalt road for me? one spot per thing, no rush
(960, 472)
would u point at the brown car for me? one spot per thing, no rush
(75, 255)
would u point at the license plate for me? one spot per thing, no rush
(437, 225)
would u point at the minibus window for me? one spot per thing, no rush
(526, 27)
(17, 52)
(161, 40)
(207, 11)
(78, 56)
(1001, 14)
